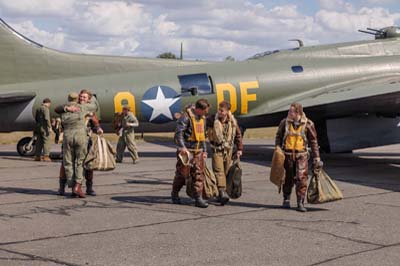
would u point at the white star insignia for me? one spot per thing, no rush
(160, 105)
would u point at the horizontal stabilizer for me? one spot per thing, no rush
(16, 97)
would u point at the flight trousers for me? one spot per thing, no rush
(221, 162)
(74, 152)
(42, 143)
(127, 140)
(195, 170)
(296, 175)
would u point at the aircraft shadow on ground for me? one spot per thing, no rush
(358, 169)
(361, 168)
(258, 154)
(151, 200)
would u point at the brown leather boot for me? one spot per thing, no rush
(78, 191)
(36, 158)
(46, 159)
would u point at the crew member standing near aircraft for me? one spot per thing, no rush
(190, 140)
(92, 126)
(127, 135)
(74, 143)
(42, 131)
(295, 133)
(223, 134)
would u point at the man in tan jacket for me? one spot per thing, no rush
(223, 134)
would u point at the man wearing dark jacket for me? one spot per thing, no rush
(295, 134)
(191, 152)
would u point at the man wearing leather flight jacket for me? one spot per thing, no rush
(295, 133)
(191, 152)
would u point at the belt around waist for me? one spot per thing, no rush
(295, 151)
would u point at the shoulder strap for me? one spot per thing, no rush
(286, 131)
(303, 131)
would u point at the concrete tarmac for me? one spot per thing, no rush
(132, 221)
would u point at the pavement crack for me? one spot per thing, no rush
(30, 257)
(358, 241)
(354, 254)
(298, 221)
(66, 210)
(369, 195)
(383, 204)
(124, 228)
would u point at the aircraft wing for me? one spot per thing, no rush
(16, 97)
(377, 94)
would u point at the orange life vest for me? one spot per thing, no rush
(198, 132)
(295, 139)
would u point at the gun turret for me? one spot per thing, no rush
(384, 33)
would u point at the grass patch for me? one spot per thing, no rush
(255, 133)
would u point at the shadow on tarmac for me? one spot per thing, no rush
(149, 182)
(150, 200)
(373, 169)
(29, 191)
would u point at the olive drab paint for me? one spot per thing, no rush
(247, 92)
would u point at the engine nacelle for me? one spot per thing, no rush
(347, 134)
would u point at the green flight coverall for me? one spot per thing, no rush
(75, 142)
(42, 131)
(127, 137)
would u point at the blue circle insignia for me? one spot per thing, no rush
(159, 104)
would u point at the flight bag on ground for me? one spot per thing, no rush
(322, 188)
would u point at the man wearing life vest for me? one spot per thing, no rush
(295, 134)
(191, 152)
(223, 134)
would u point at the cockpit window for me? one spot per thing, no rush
(193, 84)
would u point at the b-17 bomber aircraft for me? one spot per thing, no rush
(350, 90)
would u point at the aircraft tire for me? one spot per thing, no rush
(23, 149)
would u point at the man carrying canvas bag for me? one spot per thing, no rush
(295, 133)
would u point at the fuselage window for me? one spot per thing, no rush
(195, 84)
(297, 69)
